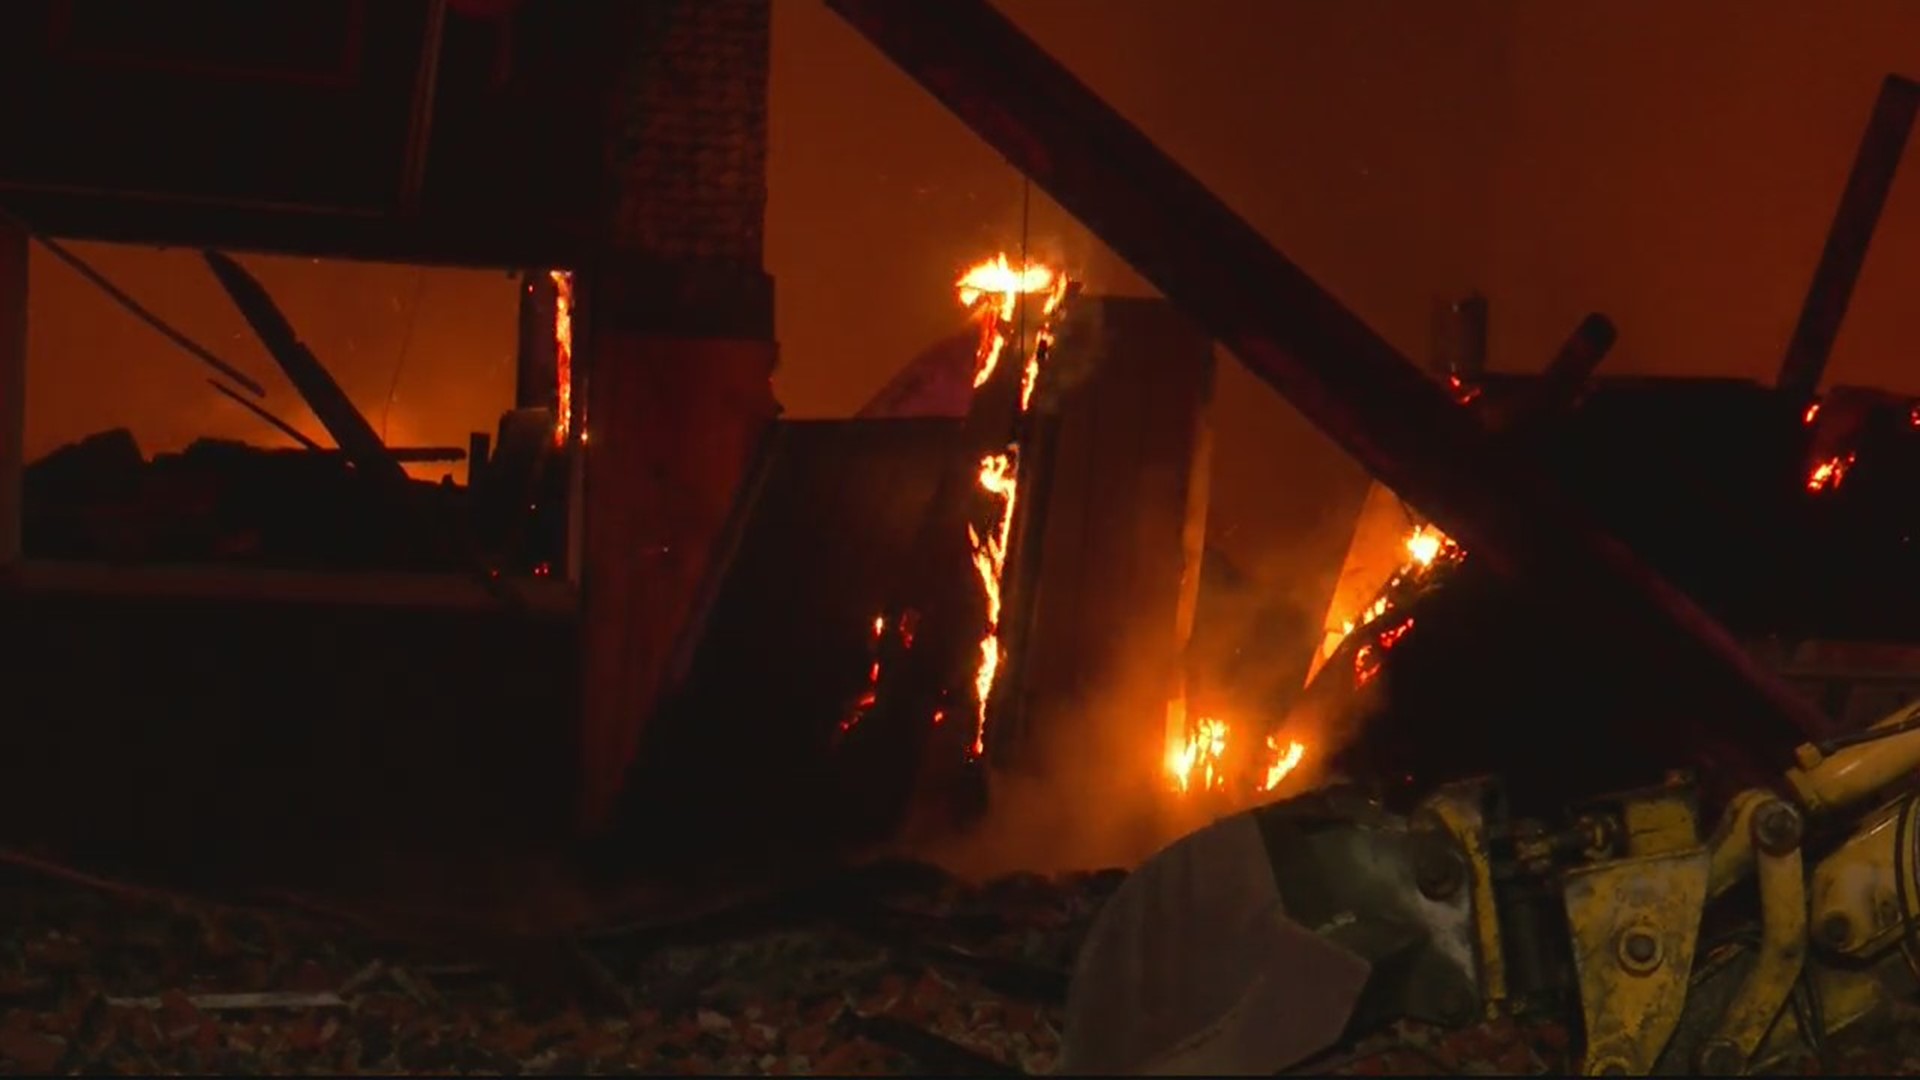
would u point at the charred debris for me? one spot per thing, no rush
(1783, 512)
(1603, 539)
(345, 502)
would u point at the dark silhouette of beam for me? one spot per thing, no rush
(1825, 307)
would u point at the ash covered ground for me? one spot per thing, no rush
(894, 969)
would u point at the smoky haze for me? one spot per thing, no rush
(1674, 165)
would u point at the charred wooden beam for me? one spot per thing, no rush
(537, 368)
(1570, 369)
(349, 429)
(1561, 384)
(1460, 337)
(479, 456)
(1104, 577)
(1874, 165)
(1349, 381)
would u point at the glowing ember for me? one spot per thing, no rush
(993, 289)
(1201, 759)
(1813, 411)
(1284, 759)
(870, 694)
(1827, 475)
(1463, 392)
(1367, 659)
(563, 354)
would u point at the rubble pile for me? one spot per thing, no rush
(221, 501)
(894, 970)
(920, 976)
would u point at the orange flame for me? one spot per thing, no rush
(870, 694)
(1367, 659)
(993, 289)
(1199, 760)
(1284, 760)
(1204, 751)
(563, 355)
(1827, 475)
(1425, 547)
(999, 280)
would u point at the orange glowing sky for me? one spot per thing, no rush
(1672, 165)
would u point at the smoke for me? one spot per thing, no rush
(1092, 796)
(1093, 790)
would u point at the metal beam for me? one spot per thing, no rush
(1345, 378)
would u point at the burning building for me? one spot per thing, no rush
(615, 155)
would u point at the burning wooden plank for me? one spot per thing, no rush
(940, 643)
(1116, 521)
(1343, 376)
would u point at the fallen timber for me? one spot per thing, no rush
(1347, 380)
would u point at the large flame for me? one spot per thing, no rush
(562, 354)
(1426, 547)
(993, 289)
(1200, 760)
(1004, 284)
(1284, 759)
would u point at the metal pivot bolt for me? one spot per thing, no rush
(1638, 949)
(1777, 827)
(1836, 929)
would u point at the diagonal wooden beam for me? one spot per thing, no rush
(1342, 376)
(1851, 233)
(350, 430)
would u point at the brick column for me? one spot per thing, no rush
(675, 411)
(678, 356)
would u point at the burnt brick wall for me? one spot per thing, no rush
(689, 123)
